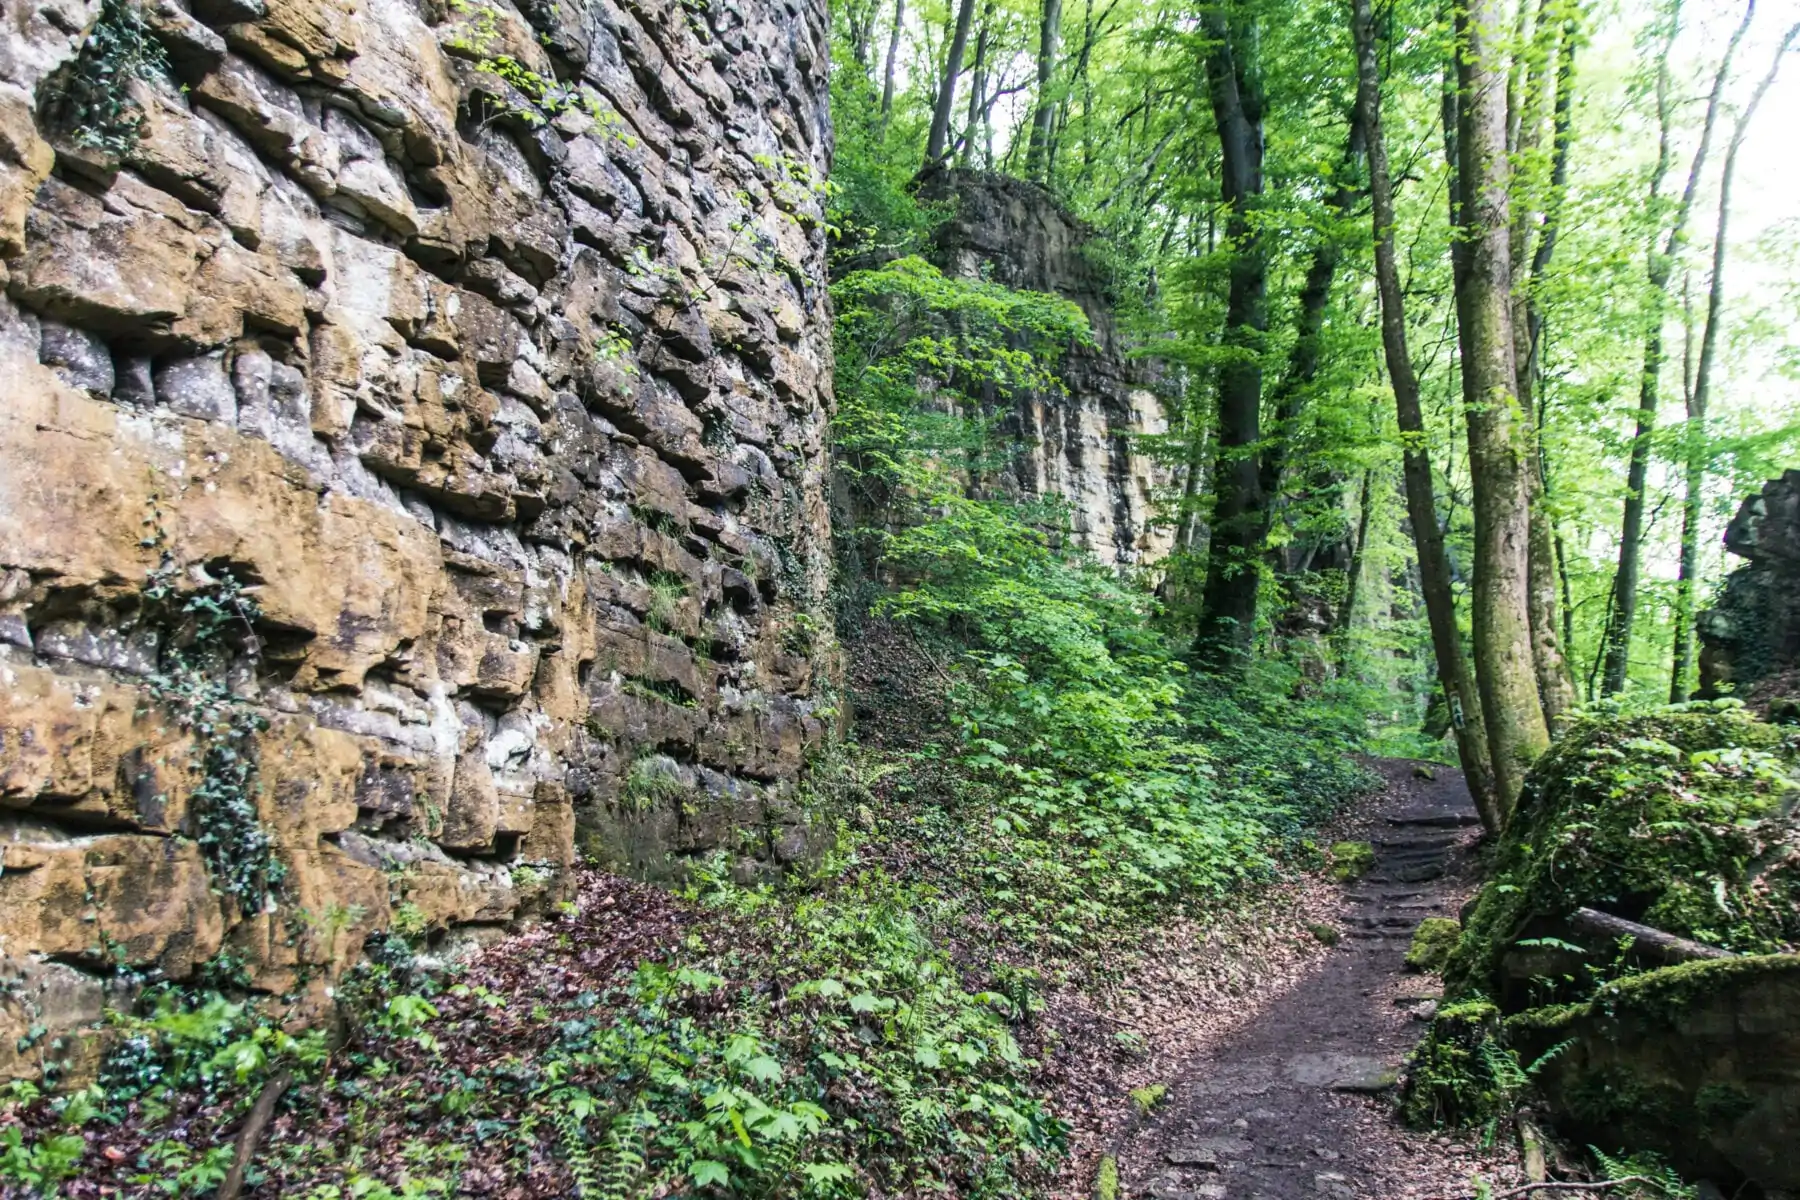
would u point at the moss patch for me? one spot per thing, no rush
(1678, 819)
(1432, 944)
(1351, 860)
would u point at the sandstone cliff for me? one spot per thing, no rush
(411, 465)
(1079, 445)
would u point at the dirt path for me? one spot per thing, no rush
(1297, 1101)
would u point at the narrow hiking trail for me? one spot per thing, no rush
(1297, 1101)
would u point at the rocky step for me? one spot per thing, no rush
(1442, 842)
(1435, 819)
(1379, 920)
(1421, 873)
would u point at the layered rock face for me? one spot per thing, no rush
(1076, 445)
(1751, 636)
(411, 459)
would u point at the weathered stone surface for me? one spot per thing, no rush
(1699, 1062)
(1077, 445)
(438, 391)
(1750, 638)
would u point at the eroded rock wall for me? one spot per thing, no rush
(1078, 445)
(1751, 636)
(487, 346)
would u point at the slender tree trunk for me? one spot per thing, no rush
(1553, 47)
(1421, 501)
(1043, 116)
(1695, 434)
(977, 86)
(893, 55)
(1500, 465)
(939, 137)
(1309, 322)
(1240, 512)
(1365, 504)
(1694, 473)
(1661, 262)
(1188, 520)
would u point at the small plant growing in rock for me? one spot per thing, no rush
(206, 634)
(651, 782)
(93, 97)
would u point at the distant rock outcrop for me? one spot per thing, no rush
(1078, 445)
(1751, 636)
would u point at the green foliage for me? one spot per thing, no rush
(910, 341)
(652, 782)
(196, 1041)
(205, 622)
(92, 98)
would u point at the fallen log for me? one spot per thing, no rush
(1665, 948)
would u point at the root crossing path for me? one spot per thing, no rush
(1298, 1101)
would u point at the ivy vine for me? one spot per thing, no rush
(205, 634)
(93, 97)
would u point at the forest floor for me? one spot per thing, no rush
(1279, 1082)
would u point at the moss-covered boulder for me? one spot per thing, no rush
(1681, 823)
(1700, 1062)
(1680, 820)
(1351, 860)
(1433, 942)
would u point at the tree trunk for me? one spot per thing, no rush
(1661, 262)
(1694, 438)
(1500, 465)
(1043, 116)
(977, 85)
(1240, 512)
(1365, 503)
(1421, 500)
(946, 97)
(1552, 45)
(1694, 472)
(1302, 368)
(887, 71)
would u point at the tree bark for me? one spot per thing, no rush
(1500, 464)
(977, 85)
(1291, 393)
(1660, 263)
(1241, 512)
(1043, 116)
(1694, 477)
(1421, 501)
(1554, 46)
(939, 137)
(1365, 503)
(887, 71)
